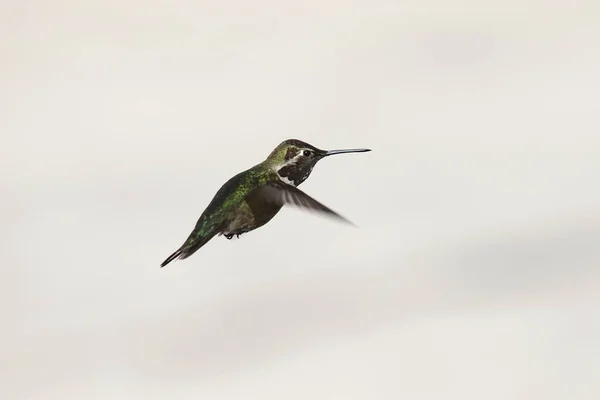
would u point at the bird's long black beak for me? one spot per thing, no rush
(332, 152)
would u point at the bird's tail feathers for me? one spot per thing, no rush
(188, 248)
(172, 257)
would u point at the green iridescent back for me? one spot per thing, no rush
(230, 196)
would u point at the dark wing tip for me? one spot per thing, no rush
(282, 193)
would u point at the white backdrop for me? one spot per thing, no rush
(474, 272)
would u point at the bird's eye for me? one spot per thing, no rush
(307, 153)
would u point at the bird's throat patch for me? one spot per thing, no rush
(293, 174)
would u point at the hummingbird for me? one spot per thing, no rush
(253, 197)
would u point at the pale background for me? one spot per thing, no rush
(475, 269)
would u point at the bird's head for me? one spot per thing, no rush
(293, 160)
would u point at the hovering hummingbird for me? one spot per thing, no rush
(252, 198)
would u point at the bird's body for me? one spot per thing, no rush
(253, 197)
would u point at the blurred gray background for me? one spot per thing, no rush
(475, 269)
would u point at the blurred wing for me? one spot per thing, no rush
(281, 193)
